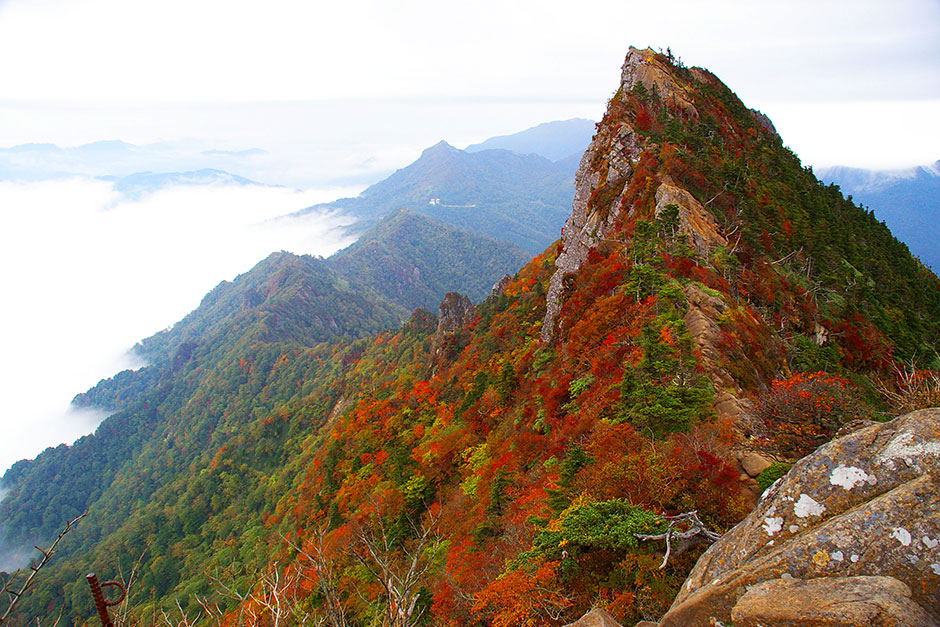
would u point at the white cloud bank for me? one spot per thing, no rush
(87, 274)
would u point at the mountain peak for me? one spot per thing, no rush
(561, 139)
(440, 148)
(656, 72)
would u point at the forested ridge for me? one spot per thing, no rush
(520, 199)
(413, 260)
(495, 465)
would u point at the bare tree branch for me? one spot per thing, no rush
(399, 569)
(14, 596)
(314, 557)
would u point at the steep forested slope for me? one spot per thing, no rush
(908, 201)
(413, 260)
(492, 466)
(286, 300)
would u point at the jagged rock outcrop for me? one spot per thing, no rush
(764, 121)
(694, 219)
(604, 174)
(500, 285)
(862, 505)
(455, 311)
(607, 164)
(642, 66)
(584, 228)
(701, 320)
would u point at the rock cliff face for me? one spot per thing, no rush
(859, 512)
(605, 169)
(694, 220)
(454, 312)
(606, 165)
(701, 319)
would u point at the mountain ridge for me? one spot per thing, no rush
(556, 141)
(907, 200)
(521, 199)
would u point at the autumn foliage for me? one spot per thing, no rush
(805, 410)
(485, 476)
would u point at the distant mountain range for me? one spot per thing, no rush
(521, 199)
(142, 183)
(908, 201)
(556, 141)
(515, 188)
(115, 159)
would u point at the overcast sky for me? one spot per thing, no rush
(852, 82)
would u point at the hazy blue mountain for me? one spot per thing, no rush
(521, 199)
(109, 147)
(115, 159)
(414, 261)
(142, 183)
(908, 201)
(34, 148)
(552, 140)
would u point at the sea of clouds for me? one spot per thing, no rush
(88, 272)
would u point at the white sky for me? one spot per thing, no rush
(827, 72)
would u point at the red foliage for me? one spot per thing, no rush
(805, 410)
(864, 346)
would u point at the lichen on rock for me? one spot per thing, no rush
(863, 505)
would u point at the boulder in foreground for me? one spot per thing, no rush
(864, 505)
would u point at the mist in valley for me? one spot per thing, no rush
(91, 272)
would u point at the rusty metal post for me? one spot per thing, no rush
(100, 604)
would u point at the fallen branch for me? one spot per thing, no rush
(696, 533)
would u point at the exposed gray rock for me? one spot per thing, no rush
(500, 285)
(454, 312)
(864, 504)
(644, 66)
(694, 219)
(578, 235)
(754, 463)
(608, 161)
(764, 121)
(701, 319)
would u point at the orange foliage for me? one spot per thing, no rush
(520, 598)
